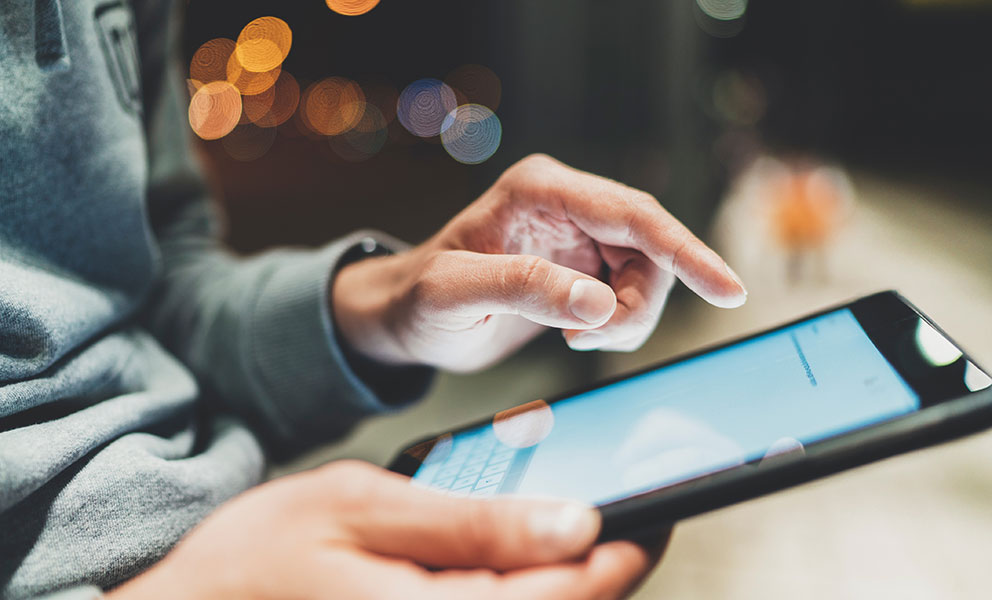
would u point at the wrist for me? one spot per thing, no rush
(364, 299)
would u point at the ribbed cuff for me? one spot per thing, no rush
(299, 361)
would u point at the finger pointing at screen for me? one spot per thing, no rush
(545, 246)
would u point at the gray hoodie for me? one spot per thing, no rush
(133, 348)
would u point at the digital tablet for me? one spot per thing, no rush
(834, 390)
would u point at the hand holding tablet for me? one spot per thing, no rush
(828, 392)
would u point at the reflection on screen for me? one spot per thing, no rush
(765, 396)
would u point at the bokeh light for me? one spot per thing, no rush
(365, 139)
(424, 105)
(351, 8)
(263, 44)
(475, 84)
(472, 133)
(248, 142)
(210, 60)
(256, 106)
(525, 425)
(720, 18)
(250, 82)
(214, 110)
(723, 10)
(276, 105)
(332, 106)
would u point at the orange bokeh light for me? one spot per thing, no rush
(258, 105)
(215, 110)
(210, 60)
(332, 106)
(250, 82)
(263, 44)
(282, 100)
(351, 8)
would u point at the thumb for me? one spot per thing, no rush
(400, 519)
(537, 289)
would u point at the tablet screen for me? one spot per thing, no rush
(767, 395)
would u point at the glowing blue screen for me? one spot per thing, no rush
(768, 395)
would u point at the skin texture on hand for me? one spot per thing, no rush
(545, 246)
(351, 530)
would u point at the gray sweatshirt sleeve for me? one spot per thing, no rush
(86, 592)
(258, 331)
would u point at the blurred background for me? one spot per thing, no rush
(828, 149)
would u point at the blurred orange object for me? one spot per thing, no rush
(807, 207)
(782, 217)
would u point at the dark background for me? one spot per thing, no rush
(624, 89)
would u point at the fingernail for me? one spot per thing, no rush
(591, 301)
(742, 298)
(589, 340)
(564, 528)
(736, 278)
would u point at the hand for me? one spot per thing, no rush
(526, 255)
(350, 530)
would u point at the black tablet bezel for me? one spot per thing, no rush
(945, 414)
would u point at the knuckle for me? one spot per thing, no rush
(537, 160)
(428, 289)
(354, 484)
(644, 199)
(479, 530)
(436, 264)
(531, 168)
(529, 275)
(679, 254)
(637, 205)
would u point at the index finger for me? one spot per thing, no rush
(615, 214)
